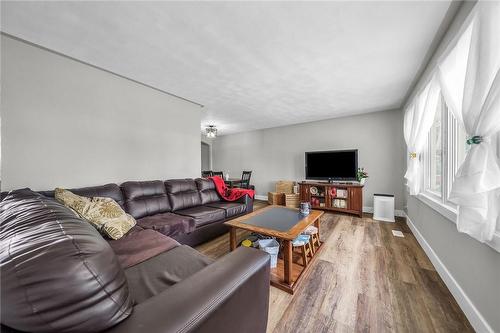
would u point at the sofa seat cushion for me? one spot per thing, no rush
(168, 224)
(203, 215)
(153, 276)
(231, 208)
(139, 245)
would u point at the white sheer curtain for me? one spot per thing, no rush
(470, 82)
(417, 123)
(407, 131)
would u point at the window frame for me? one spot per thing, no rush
(426, 160)
(449, 164)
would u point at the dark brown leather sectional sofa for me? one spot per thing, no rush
(188, 210)
(60, 275)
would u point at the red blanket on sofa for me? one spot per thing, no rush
(230, 194)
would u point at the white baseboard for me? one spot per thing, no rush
(261, 197)
(475, 318)
(367, 209)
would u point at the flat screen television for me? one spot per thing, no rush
(332, 165)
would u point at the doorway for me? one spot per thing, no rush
(206, 163)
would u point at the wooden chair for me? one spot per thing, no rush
(304, 250)
(206, 173)
(315, 243)
(218, 173)
(314, 239)
(245, 179)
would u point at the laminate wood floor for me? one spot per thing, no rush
(364, 280)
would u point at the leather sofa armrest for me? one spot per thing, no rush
(248, 202)
(230, 295)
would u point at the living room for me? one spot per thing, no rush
(250, 166)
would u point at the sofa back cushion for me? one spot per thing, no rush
(58, 273)
(208, 193)
(145, 198)
(105, 191)
(182, 193)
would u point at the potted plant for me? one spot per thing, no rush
(361, 175)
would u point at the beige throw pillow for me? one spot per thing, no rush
(104, 214)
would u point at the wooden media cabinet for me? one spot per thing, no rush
(340, 197)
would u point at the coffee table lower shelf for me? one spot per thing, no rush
(298, 273)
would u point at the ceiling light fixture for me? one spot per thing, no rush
(211, 131)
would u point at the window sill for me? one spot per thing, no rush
(450, 213)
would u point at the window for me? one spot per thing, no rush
(458, 147)
(445, 151)
(435, 157)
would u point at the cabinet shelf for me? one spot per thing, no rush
(352, 199)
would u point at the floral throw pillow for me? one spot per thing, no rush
(104, 214)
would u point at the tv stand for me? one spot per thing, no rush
(336, 182)
(334, 196)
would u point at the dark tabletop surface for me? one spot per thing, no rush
(278, 218)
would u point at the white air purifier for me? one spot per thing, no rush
(383, 207)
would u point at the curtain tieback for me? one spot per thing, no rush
(475, 140)
(413, 155)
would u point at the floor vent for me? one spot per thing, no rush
(398, 233)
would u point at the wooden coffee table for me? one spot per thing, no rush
(285, 224)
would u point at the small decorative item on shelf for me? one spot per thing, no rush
(333, 192)
(361, 175)
(313, 190)
(341, 193)
(314, 202)
(339, 203)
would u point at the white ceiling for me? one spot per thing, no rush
(252, 64)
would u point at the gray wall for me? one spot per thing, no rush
(474, 266)
(68, 124)
(278, 153)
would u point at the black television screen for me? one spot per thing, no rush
(332, 165)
